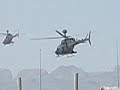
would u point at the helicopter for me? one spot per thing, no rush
(68, 43)
(9, 37)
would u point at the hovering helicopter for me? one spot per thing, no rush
(68, 43)
(9, 37)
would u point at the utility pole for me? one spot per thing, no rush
(19, 83)
(117, 63)
(75, 81)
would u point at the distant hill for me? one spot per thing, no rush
(28, 74)
(5, 75)
(59, 79)
(67, 72)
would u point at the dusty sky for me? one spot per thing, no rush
(40, 18)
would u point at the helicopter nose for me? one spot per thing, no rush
(56, 52)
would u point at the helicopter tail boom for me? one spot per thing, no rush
(87, 38)
(16, 35)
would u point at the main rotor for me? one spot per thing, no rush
(7, 32)
(62, 35)
(64, 31)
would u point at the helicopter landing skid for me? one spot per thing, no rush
(71, 55)
(67, 55)
(74, 52)
(12, 42)
(57, 56)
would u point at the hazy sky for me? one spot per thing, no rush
(40, 18)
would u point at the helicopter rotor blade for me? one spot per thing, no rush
(60, 33)
(3, 34)
(46, 38)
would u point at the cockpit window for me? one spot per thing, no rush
(62, 42)
(58, 47)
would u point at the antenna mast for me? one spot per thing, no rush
(40, 70)
(117, 63)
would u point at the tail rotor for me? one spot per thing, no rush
(17, 35)
(89, 38)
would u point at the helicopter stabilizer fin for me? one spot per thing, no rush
(89, 38)
(16, 35)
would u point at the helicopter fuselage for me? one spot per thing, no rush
(8, 39)
(66, 47)
(67, 44)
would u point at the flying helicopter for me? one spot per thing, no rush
(9, 37)
(68, 43)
